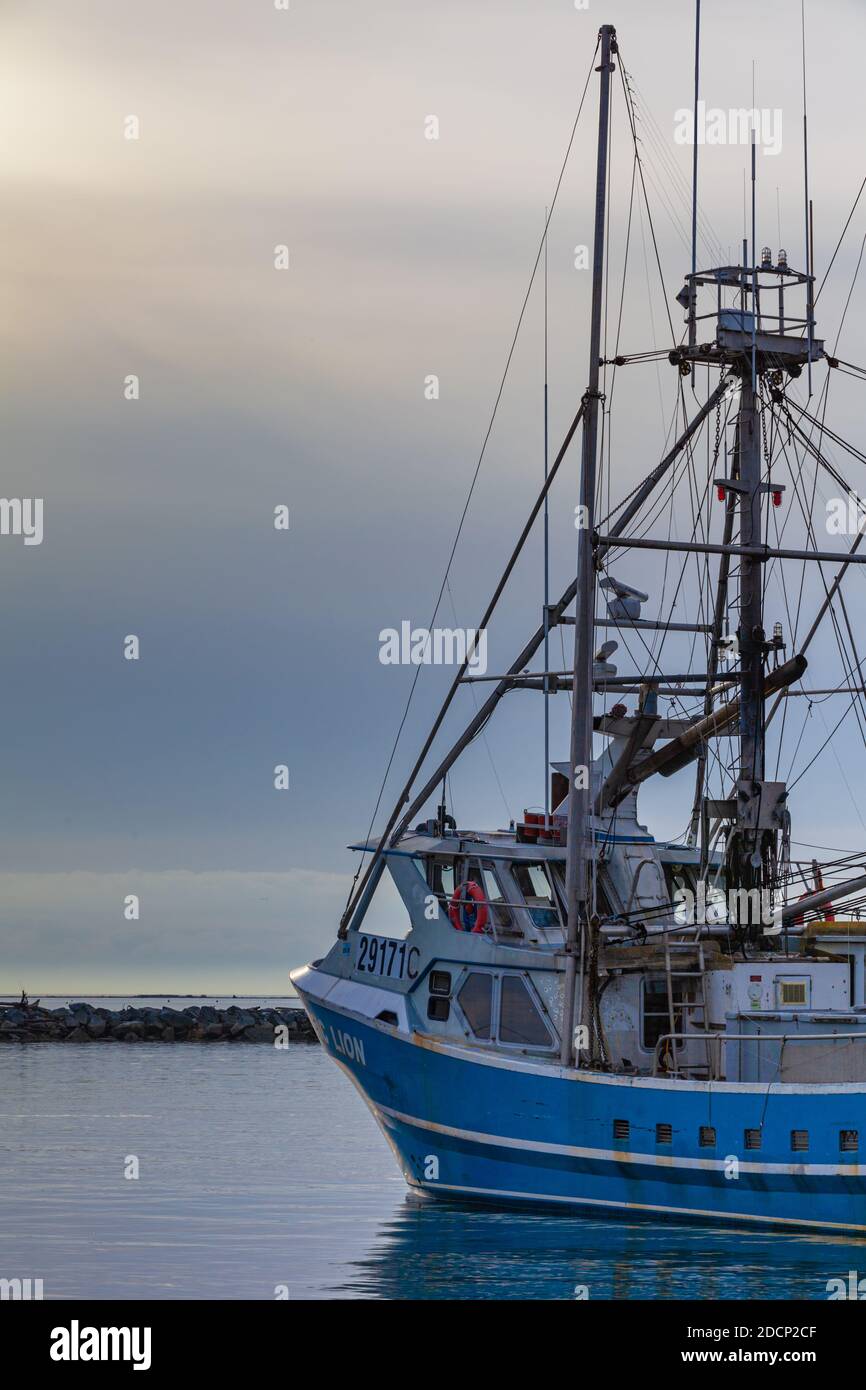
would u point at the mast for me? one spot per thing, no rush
(546, 784)
(580, 792)
(809, 267)
(692, 311)
(751, 631)
(759, 806)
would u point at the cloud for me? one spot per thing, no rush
(305, 387)
(204, 932)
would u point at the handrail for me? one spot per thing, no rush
(793, 322)
(502, 905)
(859, 1036)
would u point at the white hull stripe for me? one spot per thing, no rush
(622, 1156)
(710, 1215)
(383, 1113)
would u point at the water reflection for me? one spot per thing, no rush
(435, 1249)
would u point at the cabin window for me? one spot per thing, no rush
(603, 897)
(386, 915)
(664, 1134)
(752, 1138)
(439, 1002)
(537, 893)
(476, 1001)
(519, 1019)
(500, 912)
(799, 1141)
(849, 1141)
(483, 872)
(707, 1136)
(440, 878)
(443, 875)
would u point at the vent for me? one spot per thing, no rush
(800, 1141)
(707, 1137)
(753, 1138)
(664, 1134)
(792, 992)
(440, 982)
(849, 1141)
(620, 1129)
(438, 1009)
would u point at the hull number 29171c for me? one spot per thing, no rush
(379, 955)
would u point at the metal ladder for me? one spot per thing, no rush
(684, 1005)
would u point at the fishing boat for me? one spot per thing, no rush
(575, 1013)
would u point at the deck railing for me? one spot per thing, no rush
(511, 928)
(706, 1038)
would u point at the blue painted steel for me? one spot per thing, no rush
(505, 1131)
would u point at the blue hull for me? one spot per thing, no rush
(485, 1128)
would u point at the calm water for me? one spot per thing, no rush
(262, 1167)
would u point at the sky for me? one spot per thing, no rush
(259, 387)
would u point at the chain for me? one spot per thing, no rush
(764, 429)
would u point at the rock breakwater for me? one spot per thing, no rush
(80, 1022)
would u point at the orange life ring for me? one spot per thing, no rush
(468, 910)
